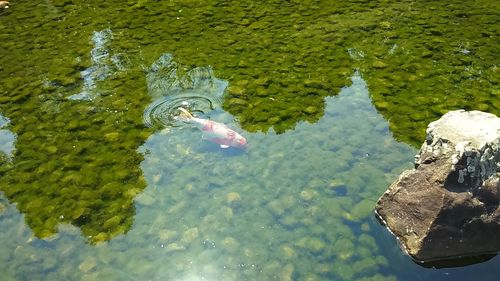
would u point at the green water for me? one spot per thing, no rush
(98, 182)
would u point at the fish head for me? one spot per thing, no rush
(240, 142)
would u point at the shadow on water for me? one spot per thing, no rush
(459, 262)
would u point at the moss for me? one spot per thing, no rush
(76, 161)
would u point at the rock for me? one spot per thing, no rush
(448, 206)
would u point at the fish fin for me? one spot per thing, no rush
(185, 115)
(224, 146)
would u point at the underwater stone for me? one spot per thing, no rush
(3, 208)
(279, 206)
(360, 211)
(288, 252)
(189, 235)
(308, 194)
(264, 81)
(448, 207)
(237, 101)
(101, 237)
(145, 199)
(317, 84)
(290, 221)
(311, 109)
(233, 197)
(112, 222)
(88, 264)
(228, 213)
(174, 247)
(379, 64)
(312, 244)
(51, 149)
(287, 272)
(230, 244)
(112, 137)
(166, 234)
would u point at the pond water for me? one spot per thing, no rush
(100, 181)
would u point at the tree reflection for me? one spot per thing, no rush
(76, 96)
(75, 158)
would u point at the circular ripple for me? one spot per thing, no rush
(163, 112)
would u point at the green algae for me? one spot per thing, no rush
(78, 123)
(70, 163)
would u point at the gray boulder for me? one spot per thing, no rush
(448, 206)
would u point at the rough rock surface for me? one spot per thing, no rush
(448, 206)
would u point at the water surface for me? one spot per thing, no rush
(99, 181)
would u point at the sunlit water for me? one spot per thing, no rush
(294, 206)
(100, 181)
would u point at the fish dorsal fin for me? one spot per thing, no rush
(224, 146)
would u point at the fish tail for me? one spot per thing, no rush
(185, 114)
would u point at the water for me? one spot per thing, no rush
(100, 181)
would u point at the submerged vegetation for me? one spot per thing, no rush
(74, 89)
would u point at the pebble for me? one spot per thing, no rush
(236, 90)
(112, 137)
(173, 247)
(314, 245)
(288, 252)
(233, 197)
(307, 194)
(88, 264)
(3, 208)
(230, 244)
(379, 64)
(145, 199)
(166, 234)
(190, 235)
(287, 272)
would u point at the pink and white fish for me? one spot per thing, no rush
(214, 131)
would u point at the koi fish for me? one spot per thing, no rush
(214, 131)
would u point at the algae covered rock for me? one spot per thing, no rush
(448, 206)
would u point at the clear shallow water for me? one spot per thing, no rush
(101, 183)
(295, 206)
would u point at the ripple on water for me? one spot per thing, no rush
(163, 112)
(197, 90)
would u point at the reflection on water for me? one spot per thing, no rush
(272, 213)
(103, 65)
(7, 139)
(197, 89)
(294, 206)
(75, 162)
